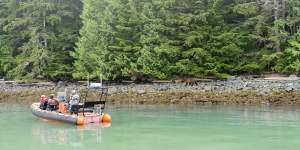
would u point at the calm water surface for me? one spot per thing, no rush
(158, 128)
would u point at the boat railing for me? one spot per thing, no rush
(96, 106)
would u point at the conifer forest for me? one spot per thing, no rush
(159, 39)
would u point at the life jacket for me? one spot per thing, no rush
(62, 108)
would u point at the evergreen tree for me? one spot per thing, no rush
(37, 31)
(147, 38)
(92, 56)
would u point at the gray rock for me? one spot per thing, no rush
(231, 78)
(293, 77)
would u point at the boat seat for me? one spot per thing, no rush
(92, 104)
(87, 106)
(75, 108)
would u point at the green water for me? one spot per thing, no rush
(159, 128)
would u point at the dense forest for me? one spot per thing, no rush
(161, 39)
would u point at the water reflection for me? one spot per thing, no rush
(52, 132)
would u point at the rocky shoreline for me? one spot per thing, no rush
(231, 91)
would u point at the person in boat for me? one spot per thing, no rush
(74, 100)
(63, 103)
(43, 102)
(52, 103)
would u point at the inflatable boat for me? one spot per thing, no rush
(52, 115)
(85, 112)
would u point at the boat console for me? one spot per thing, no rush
(95, 106)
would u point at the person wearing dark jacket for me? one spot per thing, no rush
(43, 102)
(52, 103)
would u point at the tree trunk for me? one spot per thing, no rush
(259, 5)
(276, 17)
(44, 27)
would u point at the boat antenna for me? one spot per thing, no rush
(101, 79)
(88, 80)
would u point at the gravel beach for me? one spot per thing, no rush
(232, 91)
